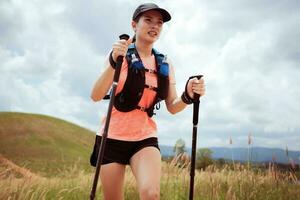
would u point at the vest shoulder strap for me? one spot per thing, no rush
(163, 66)
(158, 56)
(131, 50)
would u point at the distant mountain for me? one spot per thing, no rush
(166, 151)
(257, 154)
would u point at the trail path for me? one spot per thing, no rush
(9, 165)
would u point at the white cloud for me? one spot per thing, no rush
(52, 52)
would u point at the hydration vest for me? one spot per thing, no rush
(128, 99)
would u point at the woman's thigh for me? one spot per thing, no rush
(112, 179)
(146, 167)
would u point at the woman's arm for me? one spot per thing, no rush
(173, 102)
(103, 83)
(105, 80)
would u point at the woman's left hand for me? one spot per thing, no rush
(196, 86)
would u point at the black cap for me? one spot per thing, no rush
(151, 6)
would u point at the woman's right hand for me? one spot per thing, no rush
(120, 48)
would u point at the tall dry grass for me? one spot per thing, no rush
(211, 184)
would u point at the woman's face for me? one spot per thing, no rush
(149, 26)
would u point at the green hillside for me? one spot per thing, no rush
(44, 144)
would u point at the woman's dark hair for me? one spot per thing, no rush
(134, 38)
(137, 18)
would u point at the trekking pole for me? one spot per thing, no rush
(194, 140)
(104, 135)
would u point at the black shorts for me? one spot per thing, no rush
(120, 151)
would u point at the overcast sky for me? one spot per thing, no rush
(51, 53)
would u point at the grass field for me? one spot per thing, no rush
(225, 183)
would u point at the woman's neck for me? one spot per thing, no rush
(145, 50)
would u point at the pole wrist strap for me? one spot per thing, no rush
(185, 96)
(112, 63)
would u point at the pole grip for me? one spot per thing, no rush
(196, 103)
(119, 60)
(196, 96)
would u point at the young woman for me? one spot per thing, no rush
(146, 78)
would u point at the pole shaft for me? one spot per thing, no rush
(193, 163)
(103, 143)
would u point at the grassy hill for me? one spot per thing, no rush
(45, 145)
